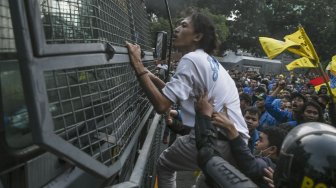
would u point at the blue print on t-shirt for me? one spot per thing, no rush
(214, 67)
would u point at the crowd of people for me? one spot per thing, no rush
(274, 104)
(292, 99)
(245, 117)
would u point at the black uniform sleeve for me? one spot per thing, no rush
(249, 164)
(219, 172)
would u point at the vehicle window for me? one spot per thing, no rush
(87, 21)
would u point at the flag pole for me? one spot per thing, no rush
(323, 74)
(317, 60)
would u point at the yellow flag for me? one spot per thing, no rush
(303, 62)
(332, 65)
(306, 48)
(274, 47)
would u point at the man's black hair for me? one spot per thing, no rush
(287, 97)
(300, 95)
(324, 97)
(318, 108)
(260, 90)
(286, 89)
(264, 82)
(286, 126)
(252, 110)
(314, 97)
(204, 25)
(246, 97)
(275, 136)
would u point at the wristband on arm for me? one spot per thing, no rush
(141, 74)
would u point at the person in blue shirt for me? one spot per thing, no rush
(251, 116)
(265, 118)
(281, 102)
(272, 83)
(250, 89)
(298, 102)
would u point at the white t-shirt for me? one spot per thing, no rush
(196, 72)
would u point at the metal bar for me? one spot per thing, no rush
(145, 152)
(139, 169)
(74, 61)
(72, 98)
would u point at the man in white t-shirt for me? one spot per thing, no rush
(196, 73)
(197, 70)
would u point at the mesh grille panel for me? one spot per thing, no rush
(92, 21)
(140, 25)
(7, 42)
(97, 109)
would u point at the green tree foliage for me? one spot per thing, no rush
(247, 26)
(277, 18)
(220, 24)
(223, 7)
(158, 7)
(269, 18)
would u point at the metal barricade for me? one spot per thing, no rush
(81, 98)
